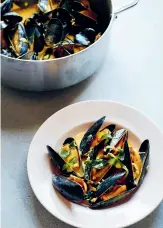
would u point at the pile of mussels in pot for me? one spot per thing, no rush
(47, 29)
(100, 167)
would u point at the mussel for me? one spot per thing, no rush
(11, 19)
(39, 33)
(127, 162)
(57, 161)
(19, 40)
(5, 6)
(70, 154)
(54, 32)
(90, 134)
(71, 190)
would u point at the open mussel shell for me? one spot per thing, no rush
(5, 6)
(110, 202)
(72, 148)
(57, 161)
(82, 39)
(93, 154)
(90, 33)
(25, 4)
(38, 41)
(71, 190)
(127, 162)
(90, 134)
(108, 182)
(145, 147)
(44, 6)
(55, 32)
(67, 4)
(19, 40)
(63, 15)
(11, 19)
(30, 26)
(118, 139)
(111, 128)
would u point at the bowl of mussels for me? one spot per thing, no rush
(54, 43)
(95, 166)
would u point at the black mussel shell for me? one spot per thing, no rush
(30, 26)
(5, 6)
(44, 6)
(69, 189)
(145, 159)
(11, 19)
(127, 162)
(118, 137)
(144, 149)
(78, 6)
(111, 128)
(3, 25)
(68, 140)
(96, 149)
(24, 3)
(82, 39)
(67, 4)
(90, 33)
(90, 134)
(57, 161)
(19, 40)
(54, 32)
(63, 15)
(108, 182)
(38, 41)
(110, 202)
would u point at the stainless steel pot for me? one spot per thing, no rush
(59, 73)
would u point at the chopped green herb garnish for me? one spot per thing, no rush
(99, 163)
(106, 136)
(65, 153)
(72, 160)
(69, 164)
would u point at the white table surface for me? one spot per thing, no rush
(132, 73)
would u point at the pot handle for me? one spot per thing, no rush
(130, 4)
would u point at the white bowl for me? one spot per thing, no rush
(70, 121)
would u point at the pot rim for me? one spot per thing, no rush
(112, 14)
